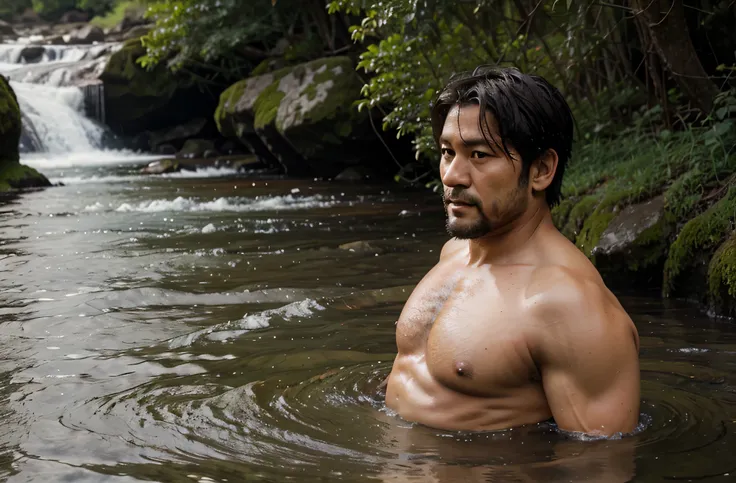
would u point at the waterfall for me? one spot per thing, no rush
(55, 116)
(62, 103)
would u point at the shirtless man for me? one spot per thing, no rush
(513, 325)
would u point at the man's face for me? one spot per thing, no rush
(482, 189)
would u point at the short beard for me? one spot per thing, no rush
(515, 205)
(480, 228)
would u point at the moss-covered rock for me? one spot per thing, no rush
(13, 175)
(578, 213)
(16, 176)
(304, 115)
(10, 123)
(722, 278)
(685, 270)
(235, 114)
(317, 114)
(634, 245)
(137, 99)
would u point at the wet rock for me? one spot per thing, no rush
(363, 247)
(7, 30)
(55, 40)
(28, 17)
(88, 34)
(138, 99)
(633, 246)
(136, 32)
(161, 167)
(372, 247)
(195, 148)
(317, 97)
(177, 135)
(211, 154)
(304, 116)
(32, 53)
(13, 175)
(166, 149)
(74, 16)
(353, 173)
(10, 123)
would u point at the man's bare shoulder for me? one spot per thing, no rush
(574, 305)
(452, 248)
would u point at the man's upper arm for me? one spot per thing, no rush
(587, 353)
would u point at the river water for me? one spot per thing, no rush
(207, 327)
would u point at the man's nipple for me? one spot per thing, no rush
(463, 370)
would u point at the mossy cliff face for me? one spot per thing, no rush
(722, 279)
(140, 100)
(13, 175)
(691, 253)
(304, 115)
(652, 214)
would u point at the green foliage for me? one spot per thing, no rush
(113, 17)
(8, 8)
(194, 30)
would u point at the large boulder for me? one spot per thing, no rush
(13, 175)
(10, 123)
(634, 244)
(138, 99)
(89, 34)
(6, 30)
(305, 115)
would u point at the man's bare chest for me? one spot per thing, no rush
(471, 334)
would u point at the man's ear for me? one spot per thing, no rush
(542, 170)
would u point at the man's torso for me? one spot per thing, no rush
(464, 361)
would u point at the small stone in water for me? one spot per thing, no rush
(209, 229)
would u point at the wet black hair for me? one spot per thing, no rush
(531, 114)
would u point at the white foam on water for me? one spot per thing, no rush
(86, 158)
(200, 173)
(181, 204)
(249, 322)
(210, 172)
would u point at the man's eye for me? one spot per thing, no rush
(480, 154)
(447, 152)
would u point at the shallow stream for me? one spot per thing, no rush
(207, 327)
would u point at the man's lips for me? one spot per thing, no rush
(459, 203)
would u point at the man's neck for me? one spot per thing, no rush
(504, 245)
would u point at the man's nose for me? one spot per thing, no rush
(457, 173)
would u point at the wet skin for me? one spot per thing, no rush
(513, 326)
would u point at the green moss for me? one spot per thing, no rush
(578, 214)
(338, 104)
(114, 17)
(10, 123)
(722, 276)
(14, 175)
(592, 230)
(267, 105)
(562, 210)
(648, 247)
(699, 237)
(228, 100)
(598, 221)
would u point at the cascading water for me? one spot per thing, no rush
(52, 83)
